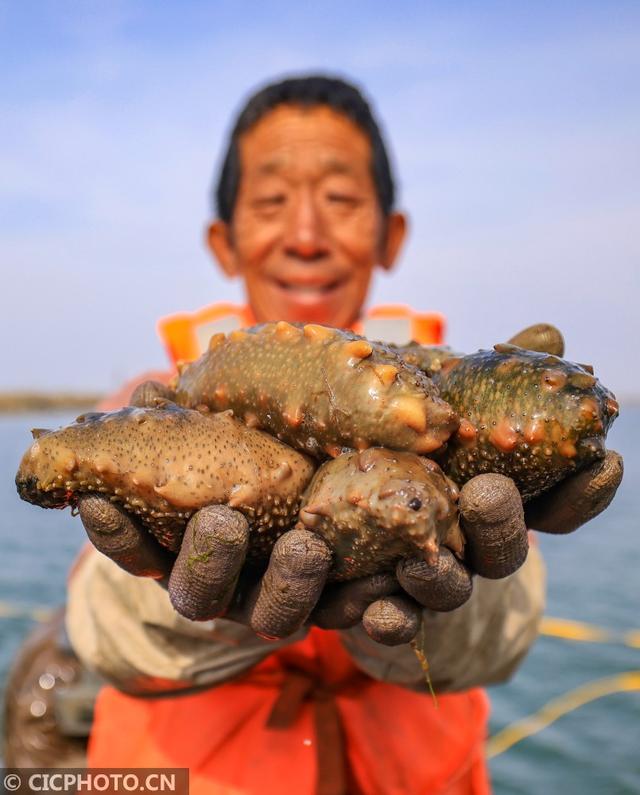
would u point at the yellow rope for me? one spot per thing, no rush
(36, 613)
(519, 730)
(557, 707)
(590, 633)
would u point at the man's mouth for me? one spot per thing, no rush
(310, 290)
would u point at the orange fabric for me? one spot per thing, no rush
(427, 328)
(397, 741)
(179, 332)
(237, 739)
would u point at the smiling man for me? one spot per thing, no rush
(305, 204)
(308, 225)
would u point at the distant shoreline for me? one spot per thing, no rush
(21, 402)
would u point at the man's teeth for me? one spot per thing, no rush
(308, 289)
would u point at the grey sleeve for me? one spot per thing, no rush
(125, 628)
(480, 643)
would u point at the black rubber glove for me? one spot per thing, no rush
(202, 580)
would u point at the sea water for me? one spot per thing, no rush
(593, 576)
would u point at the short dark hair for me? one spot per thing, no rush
(306, 91)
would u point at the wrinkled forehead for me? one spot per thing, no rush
(296, 141)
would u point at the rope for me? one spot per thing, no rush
(519, 730)
(590, 633)
(557, 707)
(33, 612)
(580, 632)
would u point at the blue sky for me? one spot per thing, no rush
(515, 130)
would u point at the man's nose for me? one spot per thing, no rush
(305, 236)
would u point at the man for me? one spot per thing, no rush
(306, 213)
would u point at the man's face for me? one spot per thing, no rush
(307, 228)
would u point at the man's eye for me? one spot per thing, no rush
(344, 199)
(267, 202)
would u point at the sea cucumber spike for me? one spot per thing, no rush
(567, 449)
(411, 411)
(506, 347)
(504, 436)
(317, 333)
(449, 364)
(293, 416)
(366, 459)
(281, 472)
(317, 510)
(534, 432)
(588, 409)
(286, 331)
(431, 551)
(220, 392)
(104, 464)
(386, 373)
(426, 443)
(251, 419)
(357, 349)
(554, 380)
(68, 461)
(467, 432)
(587, 367)
(310, 520)
(216, 340)
(582, 380)
(36, 433)
(242, 493)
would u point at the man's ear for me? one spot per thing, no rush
(218, 238)
(395, 233)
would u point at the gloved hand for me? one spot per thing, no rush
(206, 579)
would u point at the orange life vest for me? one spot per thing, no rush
(305, 721)
(186, 335)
